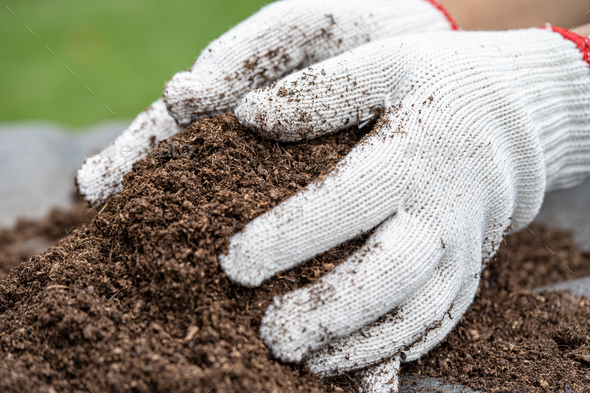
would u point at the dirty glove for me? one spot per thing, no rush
(279, 38)
(477, 126)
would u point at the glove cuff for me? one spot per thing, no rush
(564, 125)
(583, 43)
(444, 11)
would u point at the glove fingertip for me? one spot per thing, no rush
(381, 378)
(258, 112)
(241, 267)
(177, 96)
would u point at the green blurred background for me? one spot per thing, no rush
(122, 50)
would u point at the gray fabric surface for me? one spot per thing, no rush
(579, 287)
(570, 210)
(422, 384)
(38, 162)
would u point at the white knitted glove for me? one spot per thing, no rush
(281, 37)
(477, 127)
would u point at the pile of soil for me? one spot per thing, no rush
(135, 301)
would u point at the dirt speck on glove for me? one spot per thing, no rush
(136, 302)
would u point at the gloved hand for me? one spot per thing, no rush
(281, 37)
(477, 126)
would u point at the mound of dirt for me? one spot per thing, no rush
(135, 301)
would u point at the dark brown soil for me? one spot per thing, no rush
(30, 237)
(136, 302)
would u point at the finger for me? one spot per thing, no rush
(360, 194)
(399, 330)
(340, 92)
(394, 263)
(102, 175)
(382, 378)
(460, 306)
(283, 36)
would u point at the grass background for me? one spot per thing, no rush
(122, 50)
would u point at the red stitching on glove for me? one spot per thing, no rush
(442, 9)
(583, 43)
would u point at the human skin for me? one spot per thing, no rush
(516, 14)
(583, 30)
